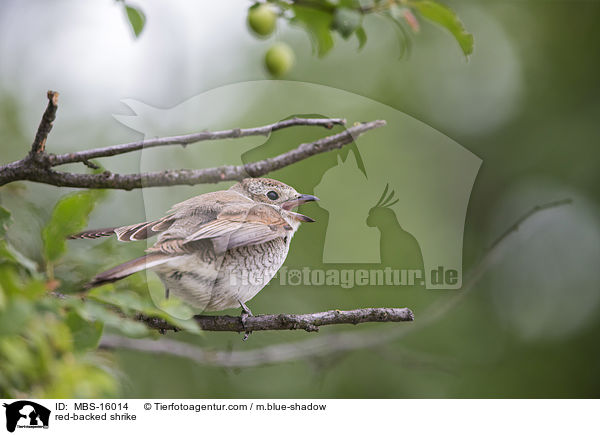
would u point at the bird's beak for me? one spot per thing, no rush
(301, 199)
(288, 205)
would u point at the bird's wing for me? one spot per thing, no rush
(144, 230)
(244, 225)
(195, 211)
(237, 224)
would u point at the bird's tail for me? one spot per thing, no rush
(94, 234)
(129, 233)
(123, 270)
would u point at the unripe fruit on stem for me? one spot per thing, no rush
(279, 59)
(262, 19)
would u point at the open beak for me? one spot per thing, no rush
(292, 203)
(301, 199)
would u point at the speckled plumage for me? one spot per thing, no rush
(222, 283)
(217, 250)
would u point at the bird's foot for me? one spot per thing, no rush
(245, 309)
(245, 314)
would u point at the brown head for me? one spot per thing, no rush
(273, 192)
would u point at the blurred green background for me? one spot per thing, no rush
(527, 103)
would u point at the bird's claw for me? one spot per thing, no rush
(245, 314)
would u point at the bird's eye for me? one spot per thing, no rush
(272, 195)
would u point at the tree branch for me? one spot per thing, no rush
(184, 140)
(277, 322)
(515, 226)
(37, 166)
(21, 170)
(235, 359)
(39, 143)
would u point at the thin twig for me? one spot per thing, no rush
(265, 130)
(330, 344)
(39, 143)
(22, 171)
(517, 224)
(235, 359)
(275, 322)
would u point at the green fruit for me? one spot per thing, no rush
(279, 59)
(262, 19)
(346, 21)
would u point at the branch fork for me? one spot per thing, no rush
(37, 166)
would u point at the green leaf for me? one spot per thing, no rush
(4, 220)
(178, 314)
(69, 216)
(126, 301)
(136, 18)
(9, 253)
(14, 318)
(10, 281)
(446, 17)
(346, 21)
(361, 35)
(86, 334)
(129, 302)
(96, 312)
(352, 4)
(187, 325)
(318, 25)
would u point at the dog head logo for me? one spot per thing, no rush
(26, 414)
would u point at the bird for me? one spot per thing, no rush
(217, 250)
